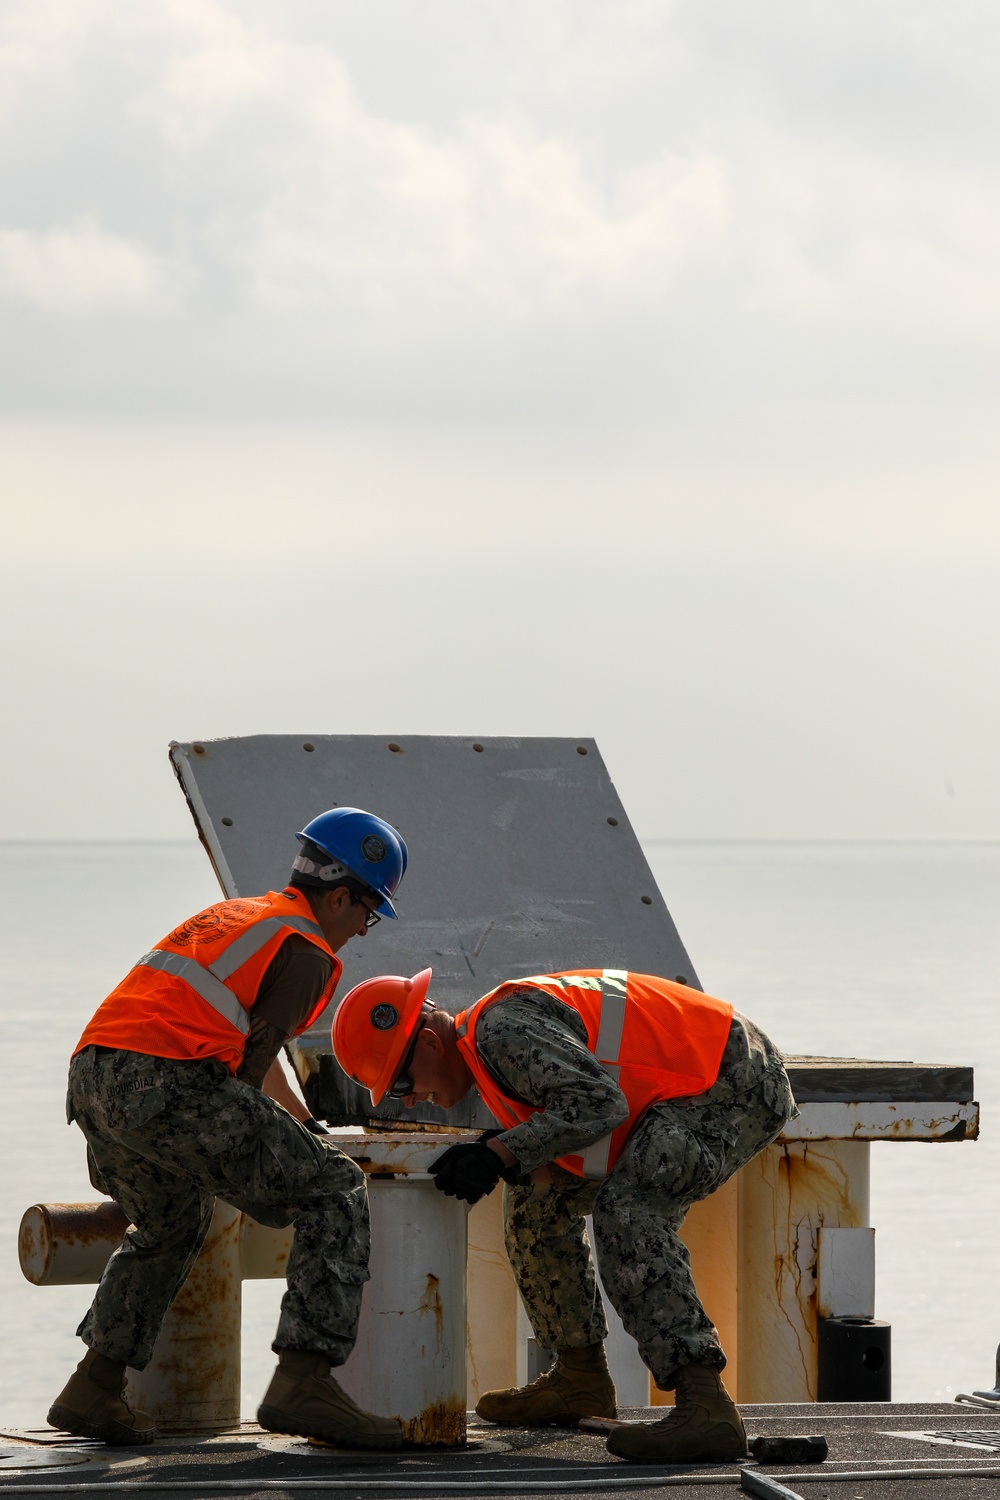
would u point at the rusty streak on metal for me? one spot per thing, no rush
(69, 1242)
(432, 1304)
(442, 1424)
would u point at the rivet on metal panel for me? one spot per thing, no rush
(581, 750)
(681, 978)
(395, 748)
(307, 746)
(198, 749)
(479, 748)
(228, 822)
(646, 900)
(613, 822)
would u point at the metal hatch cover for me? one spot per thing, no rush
(522, 861)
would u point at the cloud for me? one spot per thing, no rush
(326, 198)
(314, 204)
(76, 269)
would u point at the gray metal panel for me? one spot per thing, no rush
(522, 859)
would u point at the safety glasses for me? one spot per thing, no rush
(373, 918)
(403, 1083)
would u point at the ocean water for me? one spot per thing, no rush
(869, 950)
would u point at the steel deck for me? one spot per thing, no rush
(866, 1442)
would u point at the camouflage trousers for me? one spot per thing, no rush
(680, 1151)
(164, 1139)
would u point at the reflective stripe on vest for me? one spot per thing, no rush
(250, 942)
(203, 982)
(208, 982)
(606, 1050)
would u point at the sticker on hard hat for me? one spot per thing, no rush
(373, 848)
(384, 1017)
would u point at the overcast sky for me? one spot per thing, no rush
(509, 367)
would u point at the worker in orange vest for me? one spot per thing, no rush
(621, 1095)
(169, 1084)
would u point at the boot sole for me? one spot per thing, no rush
(274, 1420)
(567, 1420)
(679, 1458)
(114, 1434)
(618, 1444)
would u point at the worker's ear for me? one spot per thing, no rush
(429, 1041)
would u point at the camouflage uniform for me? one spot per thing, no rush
(680, 1151)
(164, 1138)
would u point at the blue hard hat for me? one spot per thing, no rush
(369, 848)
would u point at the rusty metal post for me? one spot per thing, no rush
(786, 1195)
(192, 1383)
(68, 1244)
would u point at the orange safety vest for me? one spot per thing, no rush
(190, 996)
(657, 1039)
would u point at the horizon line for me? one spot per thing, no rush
(643, 839)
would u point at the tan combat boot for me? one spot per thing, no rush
(703, 1428)
(92, 1405)
(579, 1384)
(305, 1400)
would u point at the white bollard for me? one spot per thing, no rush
(409, 1360)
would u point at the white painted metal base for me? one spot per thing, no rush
(409, 1360)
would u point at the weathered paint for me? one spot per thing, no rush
(906, 1120)
(786, 1195)
(192, 1383)
(397, 1153)
(439, 1426)
(67, 1244)
(409, 1360)
(264, 1251)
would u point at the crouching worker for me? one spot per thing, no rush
(621, 1095)
(166, 1085)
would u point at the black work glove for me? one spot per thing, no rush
(315, 1127)
(468, 1171)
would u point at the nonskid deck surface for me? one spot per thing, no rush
(864, 1440)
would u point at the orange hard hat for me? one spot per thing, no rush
(374, 1024)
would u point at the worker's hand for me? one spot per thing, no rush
(468, 1171)
(315, 1127)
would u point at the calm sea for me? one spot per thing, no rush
(869, 950)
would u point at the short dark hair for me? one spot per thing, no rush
(354, 888)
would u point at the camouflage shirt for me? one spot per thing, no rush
(537, 1049)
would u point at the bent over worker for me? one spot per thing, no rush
(166, 1085)
(621, 1095)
